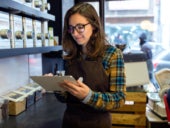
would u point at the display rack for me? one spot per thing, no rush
(23, 10)
(14, 7)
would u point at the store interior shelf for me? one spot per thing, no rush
(20, 9)
(23, 51)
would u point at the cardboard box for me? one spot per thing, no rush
(17, 102)
(38, 90)
(28, 93)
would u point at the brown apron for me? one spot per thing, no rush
(77, 114)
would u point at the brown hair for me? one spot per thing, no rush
(96, 44)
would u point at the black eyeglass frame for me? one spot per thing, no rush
(76, 27)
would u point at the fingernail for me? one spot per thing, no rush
(80, 79)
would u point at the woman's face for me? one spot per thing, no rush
(80, 29)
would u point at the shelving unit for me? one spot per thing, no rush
(29, 60)
(18, 64)
(23, 10)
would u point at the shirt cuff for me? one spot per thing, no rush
(87, 98)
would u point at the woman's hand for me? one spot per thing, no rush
(79, 89)
(49, 74)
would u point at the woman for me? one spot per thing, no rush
(88, 56)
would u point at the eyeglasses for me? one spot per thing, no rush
(79, 28)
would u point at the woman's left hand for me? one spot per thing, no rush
(79, 89)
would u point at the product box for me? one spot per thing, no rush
(17, 102)
(45, 6)
(18, 31)
(38, 33)
(28, 93)
(5, 32)
(51, 38)
(45, 32)
(37, 4)
(28, 32)
(38, 90)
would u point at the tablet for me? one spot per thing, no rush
(51, 83)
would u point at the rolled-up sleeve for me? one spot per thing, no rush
(113, 64)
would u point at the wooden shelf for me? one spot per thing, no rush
(22, 51)
(23, 10)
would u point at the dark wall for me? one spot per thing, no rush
(50, 60)
(56, 10)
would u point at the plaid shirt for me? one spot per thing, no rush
(113, 64)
